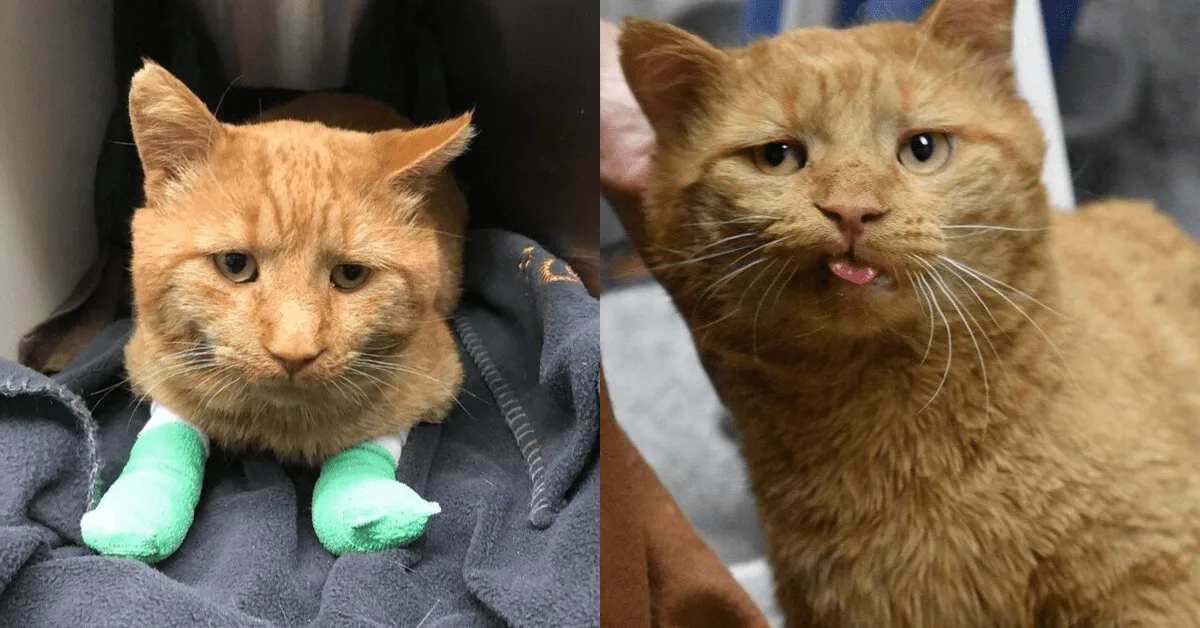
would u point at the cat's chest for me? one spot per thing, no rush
(902, 573)
(888, 536)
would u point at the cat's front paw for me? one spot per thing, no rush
(369, 514)
(113, 531)
(146, 513)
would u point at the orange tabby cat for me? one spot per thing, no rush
(356, 233)
(959, 407)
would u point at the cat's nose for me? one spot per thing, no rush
(851, 218)
(294, 360)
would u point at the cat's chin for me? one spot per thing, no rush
(850, 299)
(285, 393)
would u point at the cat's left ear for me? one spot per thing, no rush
(667, 69)
(411, 154)
(985, 26)
(172, 127)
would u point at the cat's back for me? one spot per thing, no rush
(1134, 276)
(1132, 260)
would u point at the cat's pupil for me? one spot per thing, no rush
(922, 147)
(351, 271)
(235, 263)
(776, 152)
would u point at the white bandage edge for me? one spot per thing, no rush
(393, 443)
(160, 415)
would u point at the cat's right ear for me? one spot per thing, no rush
(411, 154)
(666, 68)
(172, 127)
(985, 26)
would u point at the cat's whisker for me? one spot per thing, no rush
(736, 236)
(366, 397)
(761, 300)
(936, 82)
(725, 279)
(1038, 328)
(712, 289)
(928, 305)
(783, 286)
(985, 278)
(694, 260)
(925, 37)
(227, 379)
(978, 297)
(171, 371)
(394, 368)
(955, 303)
(437, 231)
(976, 230)
(732, 221)
(996, 227)
(341, 391)
(949, 344)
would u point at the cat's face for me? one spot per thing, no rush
(844, 173)
(291, 258)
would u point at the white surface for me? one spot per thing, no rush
(56, 60)
(806, 13)
(756, 578)
(297, 44)
(1035, 82)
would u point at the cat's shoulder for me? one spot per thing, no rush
(1126, 222)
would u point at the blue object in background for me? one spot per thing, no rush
(762, 18)
(1058, 16)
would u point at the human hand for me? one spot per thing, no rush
(626, 137)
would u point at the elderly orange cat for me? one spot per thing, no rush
(959, 407)
(292, 279)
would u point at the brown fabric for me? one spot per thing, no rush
(654, 568)
(91, 306)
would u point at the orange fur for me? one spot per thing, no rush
(1020, 451)
(325, 180)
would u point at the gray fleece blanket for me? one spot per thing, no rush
(514, 468)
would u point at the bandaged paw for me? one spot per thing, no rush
(146, 513)
(359, 507)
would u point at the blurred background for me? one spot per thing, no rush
(1128, 95)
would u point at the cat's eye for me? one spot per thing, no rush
(925, 153)
(779, 158)
(237, 267)
(349, 276)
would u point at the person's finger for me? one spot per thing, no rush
(626, 137)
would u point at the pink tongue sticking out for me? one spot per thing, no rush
(854, 274)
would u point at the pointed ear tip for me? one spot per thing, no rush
(149, 67)
(149, 74)
(636, 29)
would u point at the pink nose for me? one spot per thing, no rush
(852, 218)
(294, 361)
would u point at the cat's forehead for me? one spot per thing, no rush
(825, 79)
(304, 189)
(287, 148)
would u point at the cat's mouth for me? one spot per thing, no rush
(856, 271)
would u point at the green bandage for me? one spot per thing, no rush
(359, 507)
(146, 513)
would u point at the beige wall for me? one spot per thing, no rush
(56, 92)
